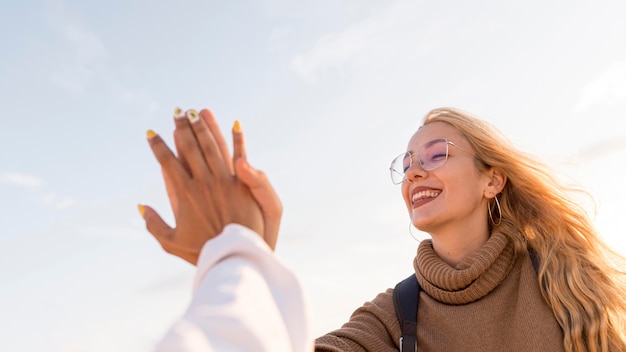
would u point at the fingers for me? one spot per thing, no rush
(189, 146)
(209, 119)
(164, 234)
(155, 224)
(204, 147)
(171, 194)
(179, 119)
(169, 163)
(239, 145)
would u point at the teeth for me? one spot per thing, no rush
(425, 194)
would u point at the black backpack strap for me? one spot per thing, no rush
(536, 263)
(534, 258)
(405, 299)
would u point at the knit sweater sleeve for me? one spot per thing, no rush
(372, 327)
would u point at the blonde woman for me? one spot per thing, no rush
(488, 207)
(485, 205)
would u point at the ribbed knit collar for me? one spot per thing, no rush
(473, 278)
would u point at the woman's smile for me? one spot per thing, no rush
(422, 196)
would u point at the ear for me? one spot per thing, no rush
(495, 184)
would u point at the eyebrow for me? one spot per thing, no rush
(432, 141)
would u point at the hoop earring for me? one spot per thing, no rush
(411, 232)
(499, 212)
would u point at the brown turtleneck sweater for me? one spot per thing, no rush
(488, 302)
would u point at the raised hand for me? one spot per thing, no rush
(256, 180)
(204, 193)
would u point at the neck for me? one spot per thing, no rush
(453, 244)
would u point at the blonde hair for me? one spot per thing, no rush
(580, 276)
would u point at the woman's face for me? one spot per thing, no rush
(451, 197)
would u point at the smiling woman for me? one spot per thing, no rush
(487, 206)
(577, 279)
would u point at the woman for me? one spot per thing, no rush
(485, 205)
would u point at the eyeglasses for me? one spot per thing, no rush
(430, 156)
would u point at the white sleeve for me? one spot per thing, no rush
(244, 299)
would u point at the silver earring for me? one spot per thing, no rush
(499, 212)
(411, 232)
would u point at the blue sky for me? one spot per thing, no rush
(327, 93)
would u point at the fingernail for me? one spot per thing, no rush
(192, 115)
(237, 127)
(178, 113)
(142, 209)
(150, 134)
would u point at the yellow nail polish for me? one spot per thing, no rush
(150, 134)
(178, 113)
(237, 127)
(142, 209)
(192, 115)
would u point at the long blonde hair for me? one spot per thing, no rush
(581, 278)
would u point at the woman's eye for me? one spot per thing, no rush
(436, 157)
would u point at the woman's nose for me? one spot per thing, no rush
(415, 171)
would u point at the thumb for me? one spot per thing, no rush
(259, 185)
(155, 224)
(250, 176)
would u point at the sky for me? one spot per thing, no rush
(327, 92)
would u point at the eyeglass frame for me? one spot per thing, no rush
(412, 154)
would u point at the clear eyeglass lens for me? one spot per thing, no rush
(398, 167)
(431, 156)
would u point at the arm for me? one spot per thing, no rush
(244, 300)
(372, 327)
(242, 293)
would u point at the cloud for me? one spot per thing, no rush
(22, 180)
(55, 201)
(88, 57)
(129, 96)
(89, 48)
(607, 89)
(602, 148)
(122, 233)
(89, 64)
(48, 199)
(362, 43)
